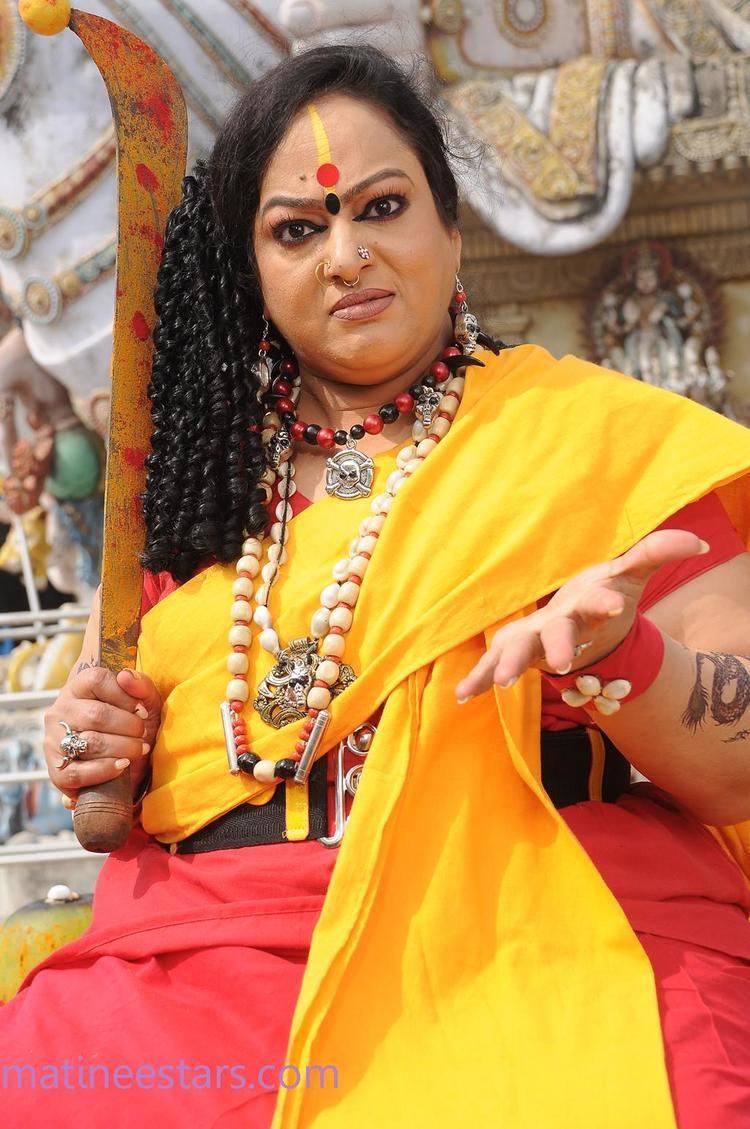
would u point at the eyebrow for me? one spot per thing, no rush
(345, 197)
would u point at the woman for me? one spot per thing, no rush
(469, 964)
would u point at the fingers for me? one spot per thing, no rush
(87, 774)
(510, 654)
(140, 686)
(657, 549)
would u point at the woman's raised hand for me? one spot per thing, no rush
(117, 715)
(596, 607)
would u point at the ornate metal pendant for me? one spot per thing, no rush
(466, 329)
(282, 694)
(280, 443)
(349, 473)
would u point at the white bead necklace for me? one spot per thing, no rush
(309, 672)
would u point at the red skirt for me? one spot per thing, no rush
(174, 1007)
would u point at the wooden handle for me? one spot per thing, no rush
(103, 816)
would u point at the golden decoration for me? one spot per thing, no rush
(45, 17)
(574, 116)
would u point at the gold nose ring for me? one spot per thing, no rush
(324, 266)
(351, 285)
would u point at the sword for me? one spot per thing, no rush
(151, 129)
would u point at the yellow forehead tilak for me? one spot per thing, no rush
(327, 174)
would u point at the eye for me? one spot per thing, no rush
(383, 208)
(290, 232)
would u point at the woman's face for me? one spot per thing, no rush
(387, 207)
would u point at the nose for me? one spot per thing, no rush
(346, 261)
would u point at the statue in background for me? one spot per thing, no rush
(659, 322)
(59, 465)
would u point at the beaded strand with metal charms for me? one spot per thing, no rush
(332, 620)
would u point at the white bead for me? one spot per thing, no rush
(399, 485)
(367, 544)
(394, 480)
(237, 663)
(418, 432)
(349, 593)
(617, 689)
(279, 533)
(457, 384)
(440, 427)
(607, 706)
(405, 456)
(449, 405)
(426, 447)
(249, 564)
(265, 772)
(320, 622)
(271, 419)
(268, 476)
(241, 612)
(328, 672)
(267, 435)
(237, 690)
(277, 554)
(353, 544)
(358, 566)
(287, 489)
(415, 464)
(365, 527)
(269, 572)
(333, 645)
(262, 617)
(377, 523)
(341, 569)
(381, 504)
(284, 511)
(341, 617)
(242, 587)
(269, 641)
(574, 698)
(240, 636)
(318, 698)
(253, 547)
(589, 684)
(261, 596)
(329, 597)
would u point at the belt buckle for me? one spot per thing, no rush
(358, 742)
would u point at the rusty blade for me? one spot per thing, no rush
(151, 128)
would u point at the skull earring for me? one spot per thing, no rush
(465, 325)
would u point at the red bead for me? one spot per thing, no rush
(289, 367)
(460, 297)
(307, 728)
(239, 649)
(452, 351)
(297, 430)
(373, 424)
(264, 346)
(238, 707)
(254, 428)
(435, 437)
(326, 438)
(285, 405)
(404, 402)
(241, 747)
(350, 580)
(440, 371)
(300, 747)
(281, 387)
(336, 630)
(313, 713)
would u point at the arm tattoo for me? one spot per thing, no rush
(729, 673)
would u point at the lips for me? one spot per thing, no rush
(360, 298)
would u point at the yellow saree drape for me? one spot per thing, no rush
(470, 966)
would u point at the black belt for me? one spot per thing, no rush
(577, 765)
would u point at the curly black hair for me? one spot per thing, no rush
(203, 493)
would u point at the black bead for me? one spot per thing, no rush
(415, 390)
(247, 762)
(286, 769)
(288, 418)
(356, 431)
(388, 413)
(311, 434)
(341, 438)
(429, 381)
